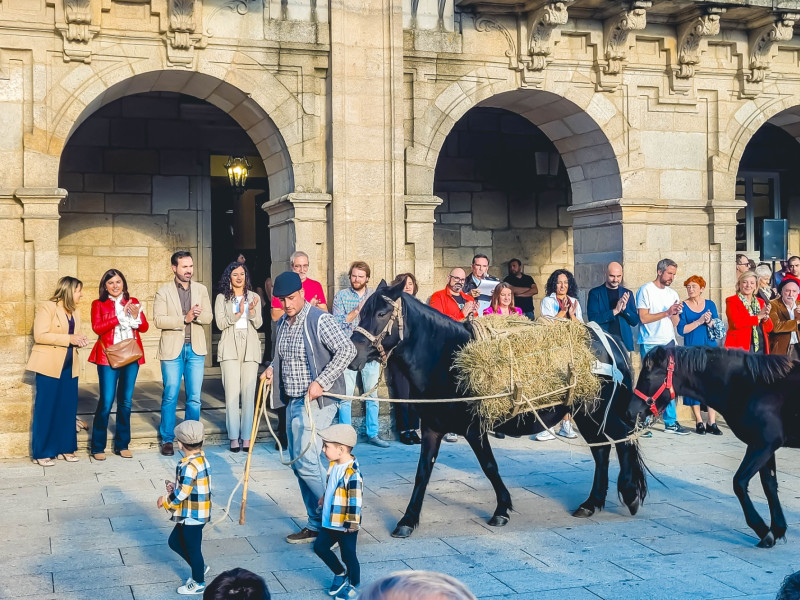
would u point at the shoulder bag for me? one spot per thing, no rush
(122, 353)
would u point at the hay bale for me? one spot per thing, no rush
(528, 360)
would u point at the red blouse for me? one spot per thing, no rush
(104, 321)
(741, 323)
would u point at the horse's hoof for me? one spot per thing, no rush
(498, 521)
(768, 541)
(402, 531)
(583, 513)
(634, 506)
(780, 540)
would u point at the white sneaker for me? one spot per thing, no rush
(545, 436)
(191, 588)
(566, 430)
(450, 437)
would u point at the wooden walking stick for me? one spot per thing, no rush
(256, 420)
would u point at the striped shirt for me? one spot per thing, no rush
(191, 498)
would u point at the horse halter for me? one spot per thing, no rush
(377, 340)
(667, 385)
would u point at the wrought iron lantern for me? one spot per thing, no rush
(238, 168)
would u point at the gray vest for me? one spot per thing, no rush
(317, 358)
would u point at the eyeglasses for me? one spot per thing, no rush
(300, 267)
(744, 264)
(457, 279)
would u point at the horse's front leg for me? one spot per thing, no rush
(428, 451)
(597, 497)
(769, 481)
(754, 460)
(479, 442)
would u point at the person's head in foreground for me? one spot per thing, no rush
(417, 585)
(237, 584)
(790, 590)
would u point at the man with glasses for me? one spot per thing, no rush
(742, 264)
(314, 294)
(451, 301)
(480, 274)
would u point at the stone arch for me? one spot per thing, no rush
(573, 120)
(269, 113)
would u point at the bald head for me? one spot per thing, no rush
(455, 281)
(613, 275)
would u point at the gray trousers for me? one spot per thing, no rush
(239, 379)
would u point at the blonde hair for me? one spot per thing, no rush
(65, 292)
(417, 585)
(744, 276)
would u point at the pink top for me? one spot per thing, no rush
(313, 289)
(490, 311)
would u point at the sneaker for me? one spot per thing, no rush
(304, 536)
(545, 436)
(450, 437)
(700, 428)
(376, 441)
(566, 430)
(348, 593)
(677, 429)
(338, 583)
(191, 588)
(647, 434)
(713, 429)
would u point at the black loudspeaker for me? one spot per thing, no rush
(775, 239)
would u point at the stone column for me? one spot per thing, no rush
(419, 233)
(722, 250)
(597, 238)
(299, 221)
(367, 137)
(28, 273)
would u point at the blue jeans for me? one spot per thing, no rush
(312, 469)
(670, 412)
(119, 383)
(190, 367)
(369, 377)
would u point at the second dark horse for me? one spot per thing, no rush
(424, 356)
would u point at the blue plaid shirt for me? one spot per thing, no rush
(344, 302)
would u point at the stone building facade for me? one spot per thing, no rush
(619, 130)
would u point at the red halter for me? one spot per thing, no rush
(667, 385)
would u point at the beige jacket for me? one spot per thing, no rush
(168, 317)
(226, 321)
(51, 340)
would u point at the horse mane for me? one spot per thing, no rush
(761, 368)
(432, 318)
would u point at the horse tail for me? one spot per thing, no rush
(632, 481)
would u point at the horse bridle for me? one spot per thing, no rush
(377, 340)
(667, 385)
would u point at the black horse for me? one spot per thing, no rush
(756, 394)
(422, 343)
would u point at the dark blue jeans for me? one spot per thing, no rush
(119, 383)
(347, 546)
(187, 541)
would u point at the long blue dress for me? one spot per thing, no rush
(698, 336)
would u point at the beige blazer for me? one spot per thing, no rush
(168, 317)
(51, 340)
(226, 321)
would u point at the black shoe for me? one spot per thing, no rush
(499, 436)
(167, 449)
(405, 438)
(713, 429)
(236, 448)
(701, 429)
(414, 437)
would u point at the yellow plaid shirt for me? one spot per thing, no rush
(191, 498)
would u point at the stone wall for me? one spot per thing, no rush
(499, 198)
(138, 177)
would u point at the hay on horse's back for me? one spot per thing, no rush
(529, 360)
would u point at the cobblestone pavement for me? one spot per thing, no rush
(91, 529)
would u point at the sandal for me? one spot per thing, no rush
(68, 457)
(44, 462)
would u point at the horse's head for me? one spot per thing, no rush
(654, 388)
(380, 326)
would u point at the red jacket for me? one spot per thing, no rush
(740, 325)
(104, 321)
(443, 302)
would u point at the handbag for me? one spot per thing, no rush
(716, 329)
(122, 353)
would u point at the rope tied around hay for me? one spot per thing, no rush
(538, 364)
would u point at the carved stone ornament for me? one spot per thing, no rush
(762, 41)
(616, 31)
(486, 23)
(690, 34)
(181, 38)
(543, 24)
(77, 30)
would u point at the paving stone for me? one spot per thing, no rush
(697, 587)
(14, 586)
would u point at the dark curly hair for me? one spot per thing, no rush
(237, 584)
(572, 288)
(224, 286)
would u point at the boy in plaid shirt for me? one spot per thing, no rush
(341, 510)
(189, 501)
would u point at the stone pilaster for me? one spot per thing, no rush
(40, 218)
(299, 221)
(419, 233)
